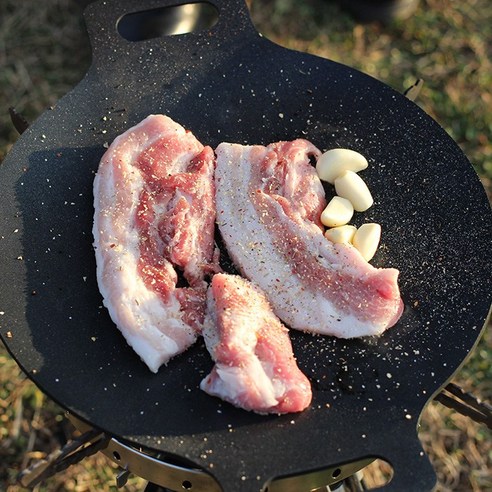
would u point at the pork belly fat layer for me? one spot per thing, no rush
(255, 368)
(272, 234)
(155, 211)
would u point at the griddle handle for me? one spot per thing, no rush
(234, 22)
(412, 469)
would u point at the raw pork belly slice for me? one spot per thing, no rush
(155, 212)
(255, 368)
(268, 203)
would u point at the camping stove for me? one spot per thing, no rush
(165, 474)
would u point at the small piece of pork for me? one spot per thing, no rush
(154, 216)
(269, 200)
(255, 368)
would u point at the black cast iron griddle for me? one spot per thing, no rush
(228, 83)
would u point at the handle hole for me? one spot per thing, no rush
(377, 474)
(167, 21)
(371, 477)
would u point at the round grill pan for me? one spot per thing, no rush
(228, 83)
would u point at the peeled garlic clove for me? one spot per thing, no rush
(338, 212)
(342, 234)
(366, 240)
(334, 162)
(351, 186)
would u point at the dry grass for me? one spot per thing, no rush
(44, 52)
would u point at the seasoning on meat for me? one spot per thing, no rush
(265, 201)
(154, 217)
(255, 368)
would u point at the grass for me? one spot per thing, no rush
(44, 52)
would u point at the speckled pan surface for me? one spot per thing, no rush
(230, 84)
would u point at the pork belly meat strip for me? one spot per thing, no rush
(268, 203)
(255, 368)
(154, 215)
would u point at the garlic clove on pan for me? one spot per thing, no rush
(338, 212)
(334, 162)
(342, 234)
(366, 239)
(351, 186)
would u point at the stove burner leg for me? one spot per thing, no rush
(19, 122)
